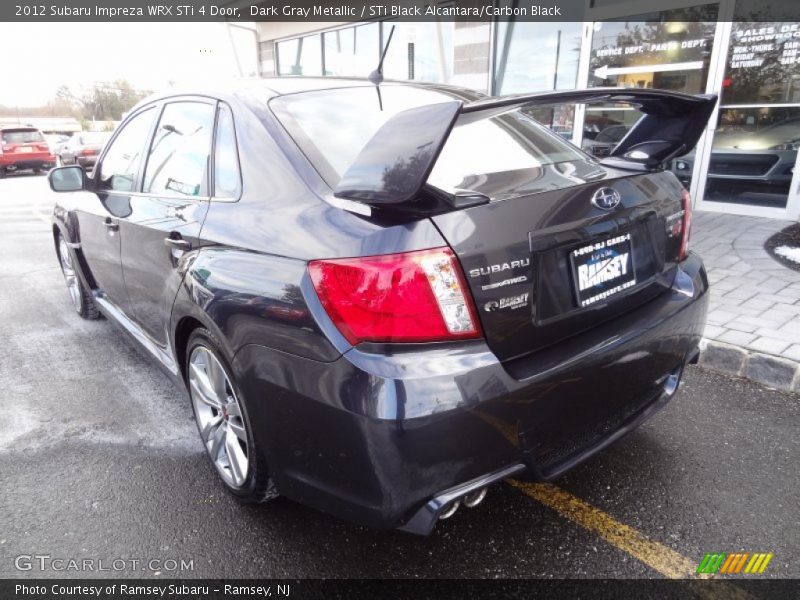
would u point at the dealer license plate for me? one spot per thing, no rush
(602, 269)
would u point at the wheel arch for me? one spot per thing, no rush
(61, 228)
(183, 330)
(187, 316)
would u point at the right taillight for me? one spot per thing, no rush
(408, 297)
(686, 221)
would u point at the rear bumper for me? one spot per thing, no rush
(380, 437)
(86, 161)
(13, 162)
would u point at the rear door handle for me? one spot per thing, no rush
(112, 224)
(176, 241)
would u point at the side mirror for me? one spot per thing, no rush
(67, 179)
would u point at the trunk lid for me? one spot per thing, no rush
(547, 265)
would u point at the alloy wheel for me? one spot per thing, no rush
(219, 416)
(70, 277)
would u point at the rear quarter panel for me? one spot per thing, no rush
(249, 278)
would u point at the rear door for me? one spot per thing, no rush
(166, 217)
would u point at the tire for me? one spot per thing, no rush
(37, 171)
(2, 173)
(220, 410)
(81, 298)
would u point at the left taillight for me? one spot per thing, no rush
(686, 220)
(408, 297)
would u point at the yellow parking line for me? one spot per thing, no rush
(666, 561)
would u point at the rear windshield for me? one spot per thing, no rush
(332, 126)
(21, 136)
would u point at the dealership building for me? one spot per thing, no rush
(745, 162)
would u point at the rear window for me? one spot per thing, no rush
(21, 136)
(332, 126)
(612, 134)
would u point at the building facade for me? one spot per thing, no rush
(745, 162)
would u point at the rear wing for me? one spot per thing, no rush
(395, 164)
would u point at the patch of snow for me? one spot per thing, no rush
(790, 252)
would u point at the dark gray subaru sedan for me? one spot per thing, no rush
(384, 298)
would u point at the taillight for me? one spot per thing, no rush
(409, 297)
(686, 221)
(87, 152)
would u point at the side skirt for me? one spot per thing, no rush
(162, 355)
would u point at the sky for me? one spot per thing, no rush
(148, 55)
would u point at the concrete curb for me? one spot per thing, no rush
(773, 371)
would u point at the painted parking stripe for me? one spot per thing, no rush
(662, 559)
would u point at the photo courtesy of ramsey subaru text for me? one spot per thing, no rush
(382, 298)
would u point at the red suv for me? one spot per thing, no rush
(24, 148)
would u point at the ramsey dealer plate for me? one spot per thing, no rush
(602, 269)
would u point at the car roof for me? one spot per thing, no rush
(266, 88)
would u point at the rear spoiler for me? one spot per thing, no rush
(395, 164)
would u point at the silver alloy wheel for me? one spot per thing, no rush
(73, 286)
(219, 416)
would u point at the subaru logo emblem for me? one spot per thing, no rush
(606, 198)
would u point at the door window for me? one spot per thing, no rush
(179, 154)
(121, 163)
(227, 181)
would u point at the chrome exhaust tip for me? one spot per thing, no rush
(472, 499)
(672, 382)
(449, 510)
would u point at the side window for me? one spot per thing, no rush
(227, 180)
(178, 159)
(121, 163)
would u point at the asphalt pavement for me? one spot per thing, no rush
(100, 461)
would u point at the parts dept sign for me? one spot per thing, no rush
(634, 51)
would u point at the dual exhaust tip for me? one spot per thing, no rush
(470, 500)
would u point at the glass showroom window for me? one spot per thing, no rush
(539, 57)
(353, 51)
(300, 56)
(419, 51)
(667, 50)
(536, 57)
(755, 145)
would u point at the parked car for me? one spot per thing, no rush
(380, 304)
(24, 148)
(83, 148)
(763, 159)
(56, 141)
(604, 142)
